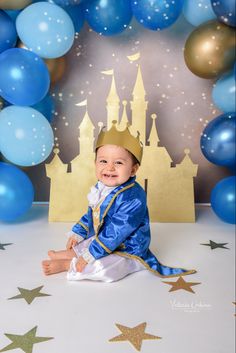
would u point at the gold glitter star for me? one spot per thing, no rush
(30, 294)
(134, 335)
(182, 284)
(24, 342)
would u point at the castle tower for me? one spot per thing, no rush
(113, 104)
(124, 119)
(56, 170)
(139, 108)
(86, 135)
(153, 139)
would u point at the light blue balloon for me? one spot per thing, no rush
(197, 12)
(223, 94)
(26, 137)
(46, 29)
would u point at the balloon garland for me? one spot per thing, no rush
(46, 30)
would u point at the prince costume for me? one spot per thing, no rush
(114, 235)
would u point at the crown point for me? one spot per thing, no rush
(114, 122)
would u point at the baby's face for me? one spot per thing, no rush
(114, 165)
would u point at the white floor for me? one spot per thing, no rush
(81, 316)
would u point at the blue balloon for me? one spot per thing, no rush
(223, 199)
(13, 14)
(8, 35)
(26, 137)
(108, 17)
(197, 12)
(46, 29)
(24, 77)
(46, 107)
(218, 140)
(16, 192)
(77, 15)
(157, 14)
(67, 2)
(223, 94)
(225, 11)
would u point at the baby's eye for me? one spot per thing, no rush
(103, 161)
(118, 162)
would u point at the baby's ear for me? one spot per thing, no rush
(134, 169)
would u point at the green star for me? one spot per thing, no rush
(2, 246)
(29, 294)
(24, 342)
(214, 245)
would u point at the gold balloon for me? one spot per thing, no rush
(56, 68)
(210, 49)
(14, 4)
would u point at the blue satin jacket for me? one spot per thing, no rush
(124, 229)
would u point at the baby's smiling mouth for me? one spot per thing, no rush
(110, 175)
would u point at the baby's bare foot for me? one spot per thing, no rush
(55, 266)
(62, 254)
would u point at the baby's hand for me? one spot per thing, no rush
(72, 241)
(81, 263)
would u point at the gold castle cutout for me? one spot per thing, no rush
(170, 190)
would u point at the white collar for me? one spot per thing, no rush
(99, 193)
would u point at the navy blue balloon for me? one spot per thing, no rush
(157, 14)
(46, 107)
(8, 35)
(24, 77)
(225, 11)
(218, 140)
(77, 15)
(108, 17)
(223, 199)
(16, 192)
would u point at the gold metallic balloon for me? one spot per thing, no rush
(210, 49)
(14, 4)
(56, 68)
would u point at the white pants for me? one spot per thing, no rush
(107, 269)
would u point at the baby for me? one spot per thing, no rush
(112, 239)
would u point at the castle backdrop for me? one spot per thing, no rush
(170, 192)
(181, 100)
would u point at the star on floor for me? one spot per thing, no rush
(2, 246)
(24, 342)
(29, 294)
(182, 284)
(135, 335)
(214, 245)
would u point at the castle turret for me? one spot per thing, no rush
(153, 137)
(139, 107)
(113, 104)
(187, 167)
(56, 165)
(86, 135)
(124, 119)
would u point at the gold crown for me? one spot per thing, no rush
(121, 138)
